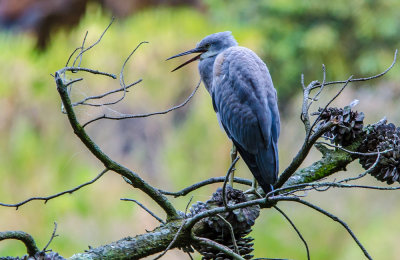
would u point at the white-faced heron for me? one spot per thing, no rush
(244, 99)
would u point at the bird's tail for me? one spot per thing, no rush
(264, 165)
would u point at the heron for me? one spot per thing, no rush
(245, 101)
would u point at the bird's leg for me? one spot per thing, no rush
(254, 185)
(253, 189)
(233, 157)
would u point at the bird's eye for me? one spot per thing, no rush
(208, 45)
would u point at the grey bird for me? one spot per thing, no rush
(244, 99)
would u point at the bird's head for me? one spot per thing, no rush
(210, 46)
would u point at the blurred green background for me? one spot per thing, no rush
(40, 156)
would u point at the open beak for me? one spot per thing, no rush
(195, 50)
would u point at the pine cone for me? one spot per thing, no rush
(348, 124)
(382, 137)
(241, 221)
(244, 245)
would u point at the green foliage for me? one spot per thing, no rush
(349, 37)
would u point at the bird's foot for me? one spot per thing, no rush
(254, 191)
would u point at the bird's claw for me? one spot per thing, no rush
(254, 191)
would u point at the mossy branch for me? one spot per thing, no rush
(27, 239)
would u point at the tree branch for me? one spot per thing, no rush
(203, 183)
(17, 205)
(27, 239)
(136, 181)
(334, 218)
(295, 228)
(139, 246)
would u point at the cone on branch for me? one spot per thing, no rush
(348, 124)
(382, 137)
(217, 229)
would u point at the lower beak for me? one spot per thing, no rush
(195, 50)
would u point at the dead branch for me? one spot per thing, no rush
(146, 209)
(132, 116)
(296, 229)
(203, 183)
(334, 218)
(53, 235)
(46, 199)
(215, 245)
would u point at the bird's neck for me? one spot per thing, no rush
(206, 71)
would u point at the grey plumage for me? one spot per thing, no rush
(245, 101)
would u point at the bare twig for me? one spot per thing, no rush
(363, 79)
(94, 44)
(212, 212)
(224, 199)
(110, 164)
(24, 237)
(146, 209)
(53, 235)
(231, 232)
(333, 217)
(65, 69)
(316, 96)
(352, 152)
(217, 246)
(301, 155)
(172, 242)
(203, 183)
(295, 228)
(121, 76)
(187, 205)
(83, 101)
(131, 116)
(123, 87)
(326, 106)
(73, 81)
(17, 205)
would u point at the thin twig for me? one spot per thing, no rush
(326, 106)
(145, 208)
(187, 205)
(316, 96)
(212, 212)
(83, 101)
(63, 70)
(217, 246)
(172, 242)
(301, 155)
(121, 76)
(203, 183)
(364, 79)
(82, 48)
(121, 79)
(231, 231)
(135, 180)
(333, 217)
(295, 228)
(131, 116)
(17, 205)
(224, 199)
(95, 43)
(73, 81)
(53, 235)
(352, 152)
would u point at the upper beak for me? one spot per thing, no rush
(195, 50)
